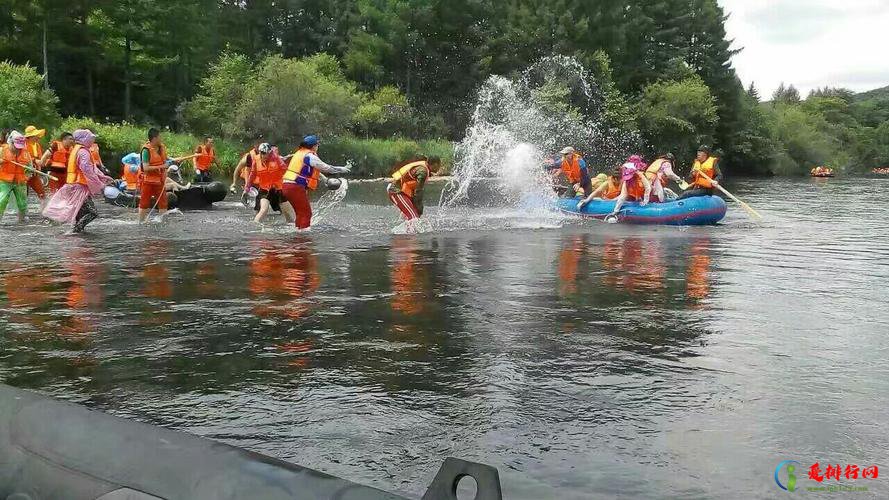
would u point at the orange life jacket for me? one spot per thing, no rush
(59, 158)
(133, 179)
(269, 174)
(613, 190)
(708, 168)
(245, 172)
(35, 149)
(156, 158)
(408, 176)
(75, 176)
(572, 169)
(208, 155)
(9, 171)
(300, 171)
(635, 188)
(94, 154)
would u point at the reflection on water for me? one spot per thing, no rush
(582, 361)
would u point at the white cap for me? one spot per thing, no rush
(567, 151)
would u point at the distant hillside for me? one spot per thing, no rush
(882, 93)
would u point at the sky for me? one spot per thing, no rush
(810, 43)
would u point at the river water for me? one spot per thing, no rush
(583, 360)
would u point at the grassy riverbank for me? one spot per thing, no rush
(371, 158)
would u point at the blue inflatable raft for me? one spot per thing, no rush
(697, 211)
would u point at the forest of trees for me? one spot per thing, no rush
(411, 68)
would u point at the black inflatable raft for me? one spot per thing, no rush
(53, 450)
(197, 197)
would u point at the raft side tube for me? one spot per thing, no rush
(696, 211)
(51, 449)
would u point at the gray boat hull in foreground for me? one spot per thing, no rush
(52, 450)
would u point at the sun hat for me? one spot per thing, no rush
(32, 131)
(568, 150)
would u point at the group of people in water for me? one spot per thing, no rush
(73, 167)
(636, 180)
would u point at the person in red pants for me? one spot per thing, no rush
(302, 176)
(408, 180)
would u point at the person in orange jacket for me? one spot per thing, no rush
(55, 160)
(708, 165)
(13, 179)
(35, 149)
(267, 176)
(205, 159)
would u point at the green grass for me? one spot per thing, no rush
(370, 157)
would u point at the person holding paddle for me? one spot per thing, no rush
(154, 175)
(14, 157)
(705, 175)
(35, 149)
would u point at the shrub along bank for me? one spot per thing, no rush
(370, 158)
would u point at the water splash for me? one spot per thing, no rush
(519, 123)
(329, 201)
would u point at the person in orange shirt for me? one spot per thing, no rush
(55, 160)
(205, 159)
(35, 149)
(267, 175)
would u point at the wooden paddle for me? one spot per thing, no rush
(745, 206)
(35, 171)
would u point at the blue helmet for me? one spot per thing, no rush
(311, 140)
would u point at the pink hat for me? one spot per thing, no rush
(627, 171)
(17, 140)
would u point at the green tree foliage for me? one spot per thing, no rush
(786, 95)
(678, 116)
(385, 113)
(23, 98)
(294, 97)
(411, 68)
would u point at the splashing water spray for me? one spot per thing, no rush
(518, 124)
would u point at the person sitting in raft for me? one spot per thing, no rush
(13, 178)
(634, 186)
(607, 189)
(302, 176)
(154, 164)
(131, 172)
(267, 175)
(205, 159)
(55, 159)
(73, 203)
(35, 149)
(574, 167)
(707, 165)
(658, 172)
(405, 188)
